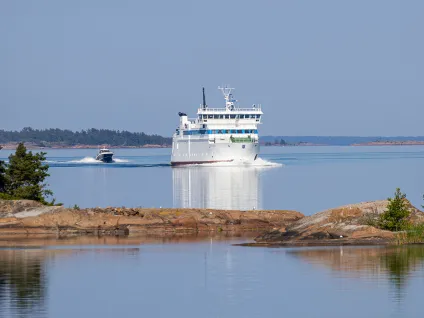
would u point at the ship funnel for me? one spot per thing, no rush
(204, 99)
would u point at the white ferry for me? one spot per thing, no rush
(227, 134)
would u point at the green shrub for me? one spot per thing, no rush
(397, 213)
(414, 233)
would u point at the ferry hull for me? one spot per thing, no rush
(200, 152)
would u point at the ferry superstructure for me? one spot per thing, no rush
(227, 134)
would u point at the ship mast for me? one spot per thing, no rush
(204, 99)
(229, 101)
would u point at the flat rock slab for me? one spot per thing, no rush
(33, 218)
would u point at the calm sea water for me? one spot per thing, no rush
(306, 179)
(210, 277)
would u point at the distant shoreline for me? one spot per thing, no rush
(391, 143)
(12, 146)
(372, 143)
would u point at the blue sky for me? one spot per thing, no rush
(317, 67)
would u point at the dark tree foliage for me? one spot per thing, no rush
(395, 217)
(2, 176)
(47, 137)
(25, 174)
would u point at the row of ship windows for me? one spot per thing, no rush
(232, 116)
(220, 131)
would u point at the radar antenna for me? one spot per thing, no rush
(229, 101)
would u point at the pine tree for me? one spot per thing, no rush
(25, 175)
(2, 176)
(395, 217)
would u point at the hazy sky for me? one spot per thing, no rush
(339, 67)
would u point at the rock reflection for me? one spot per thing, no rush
(22, 282)
(236, 188)
(397, 263)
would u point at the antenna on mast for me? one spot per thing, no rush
(229, 101)
(204, 99)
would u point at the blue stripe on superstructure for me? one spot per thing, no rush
(220, 131)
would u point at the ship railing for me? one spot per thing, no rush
(224, 110)
(242, 139)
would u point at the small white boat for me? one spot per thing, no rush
(105, 155)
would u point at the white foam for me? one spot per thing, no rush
(258, 163)
(92, 160)
(86, 160)
(120, 160)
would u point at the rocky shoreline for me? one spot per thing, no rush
(346, 225)
(24, 217)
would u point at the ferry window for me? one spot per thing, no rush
(210, 116)
(204, 126)
(226, 131)
(221, 116)
(232, 116)
(252, 116)
(227, 116)
(216, 116)
(258, 116)
(205, 116)
(241, 116)
(239, 131)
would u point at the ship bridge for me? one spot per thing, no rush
(229, 120)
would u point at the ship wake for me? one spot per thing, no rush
(258, 163)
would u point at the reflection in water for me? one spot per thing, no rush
(396, 263)
(234, 188)
(22, 282)
(400, 263)
(24, 276)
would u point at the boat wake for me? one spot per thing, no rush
(120, 160)
(258, 163)
(86, 160)
(92, 162)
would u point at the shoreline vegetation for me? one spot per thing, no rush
(340, 141)
(55, 138)
(90, 138)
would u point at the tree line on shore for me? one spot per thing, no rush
(92, 136)
(23, 177)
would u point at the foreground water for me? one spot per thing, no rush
(208, 278)
(306, 179)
